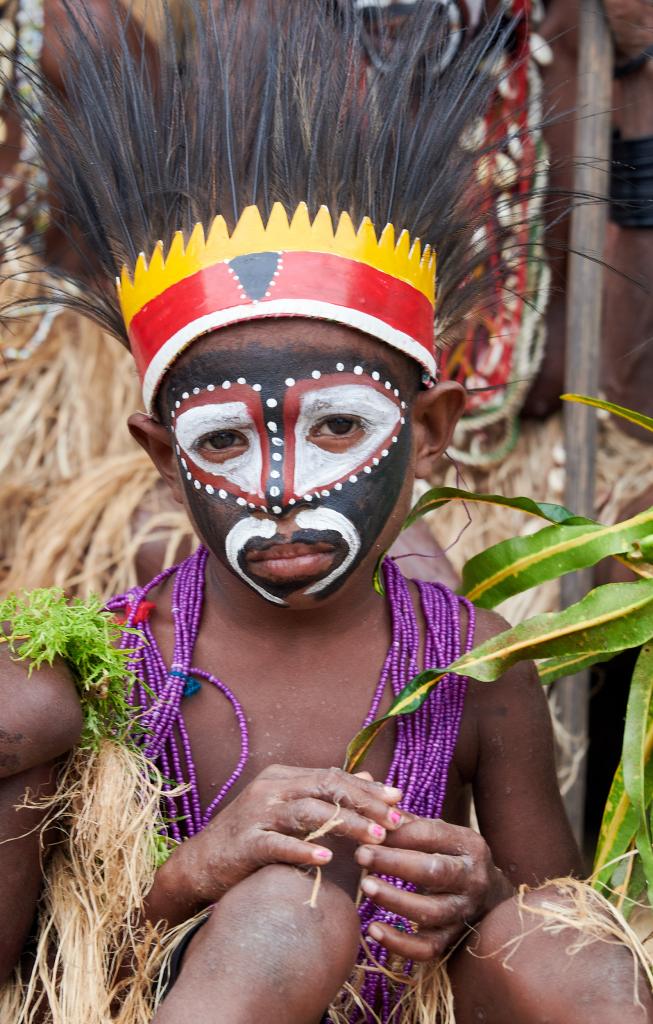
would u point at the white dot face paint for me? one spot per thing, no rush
(314, 462)
(317, 468)
(308, 464)
(196, 426)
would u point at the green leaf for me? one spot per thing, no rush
(645, 851)
(637, 773)
(618, 831)
(438, 497)
(521, 563)
(611, 618)
(621, 820)
(635, 888)
(570, 664)
(639, 720)
(618, 410)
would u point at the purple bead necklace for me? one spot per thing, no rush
(424, 741)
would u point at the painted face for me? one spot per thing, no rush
(292, 464)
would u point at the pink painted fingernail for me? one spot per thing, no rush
(395, 817)
(377, 831)
(323, 854)
(370, 886)
(375, 932)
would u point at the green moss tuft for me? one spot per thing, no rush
(44, 625)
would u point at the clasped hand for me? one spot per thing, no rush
(456, 880)
(272, 819)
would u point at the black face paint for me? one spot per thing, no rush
(293, 462)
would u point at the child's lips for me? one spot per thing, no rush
(286, 563)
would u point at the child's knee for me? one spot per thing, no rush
(535, 957)
(273, 911)
(266, 953)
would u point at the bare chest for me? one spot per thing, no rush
(298, 707)
(299, 716)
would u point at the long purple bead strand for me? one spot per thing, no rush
(167, 740)
(424, 741)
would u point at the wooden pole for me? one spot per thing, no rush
(584, 293)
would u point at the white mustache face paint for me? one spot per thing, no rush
(329, 519)
(237, 538)
(316, 520)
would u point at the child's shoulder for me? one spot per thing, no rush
(511, 768)
(508, 718)
(40, 713)
(517, 693)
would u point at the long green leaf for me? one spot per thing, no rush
(438, 497)
(611, 618)
(645, 851)
(638, 780)
(618, 831)
(639, 719)
(620, 819)
(521, 563)
(635, 888)
(570, 664)
(618, 410)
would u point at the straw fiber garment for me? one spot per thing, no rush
(79, 497)
(107, 807)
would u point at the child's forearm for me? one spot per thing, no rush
(20, 860)
(172, 897)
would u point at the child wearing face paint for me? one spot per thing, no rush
(283, 332)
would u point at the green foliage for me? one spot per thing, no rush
(610, 619)
(42, 626)
(637, 418)
(439, 497)
(521, 563)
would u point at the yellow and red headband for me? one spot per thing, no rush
(383, 287)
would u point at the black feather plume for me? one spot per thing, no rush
(265, 101)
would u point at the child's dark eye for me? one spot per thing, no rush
(337, 426)
(222, 440)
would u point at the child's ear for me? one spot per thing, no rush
(435, 414)
(156, 440)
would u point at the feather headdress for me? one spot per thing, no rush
(271, 106)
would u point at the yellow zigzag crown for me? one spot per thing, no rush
(402, 259)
